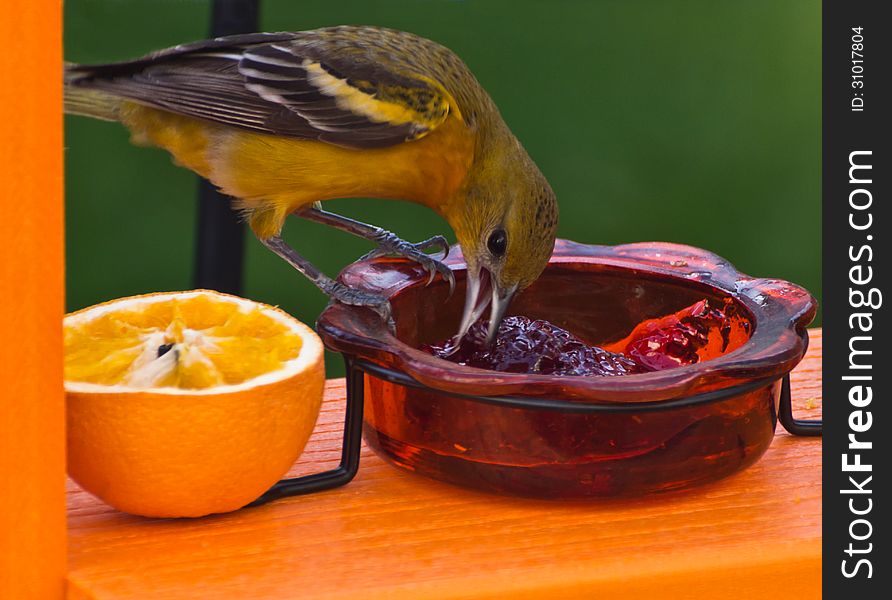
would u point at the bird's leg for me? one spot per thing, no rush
(388, 243)
(331, 288)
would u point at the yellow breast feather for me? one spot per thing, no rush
(276, 176)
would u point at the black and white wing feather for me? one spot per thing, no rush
(292, 84)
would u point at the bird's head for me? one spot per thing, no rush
(506, 230)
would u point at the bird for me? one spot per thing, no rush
(283, 121)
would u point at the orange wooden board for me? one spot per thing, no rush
(32, 300)
(392, 534)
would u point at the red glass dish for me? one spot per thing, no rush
(553, 436)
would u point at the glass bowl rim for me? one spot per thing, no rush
(780, 312)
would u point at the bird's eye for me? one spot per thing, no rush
(497, 242)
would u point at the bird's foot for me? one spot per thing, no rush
(391, 245)
(353, 297)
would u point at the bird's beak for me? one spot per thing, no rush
(482, 291)
(500, 301)
(473, 310)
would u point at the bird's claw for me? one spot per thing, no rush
(417, 253)
(438, 243)
(434, 266)
(384, 310)
(353, 297)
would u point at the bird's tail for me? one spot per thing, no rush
(82, 100)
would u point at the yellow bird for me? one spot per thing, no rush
(282, 121)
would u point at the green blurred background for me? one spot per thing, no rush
(688, 121)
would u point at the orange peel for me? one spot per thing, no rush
(183, 404)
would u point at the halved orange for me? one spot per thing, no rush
(183, 404)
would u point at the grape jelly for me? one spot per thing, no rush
(524, 345)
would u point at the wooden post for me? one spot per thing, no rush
(32, 407)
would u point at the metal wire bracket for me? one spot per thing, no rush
(346, 471)
(785, 414)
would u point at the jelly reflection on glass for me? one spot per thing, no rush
(600, 294)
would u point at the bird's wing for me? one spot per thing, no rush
(283, 84)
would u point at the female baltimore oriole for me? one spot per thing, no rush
(282, 121)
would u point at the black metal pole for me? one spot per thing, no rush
(220, 245)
